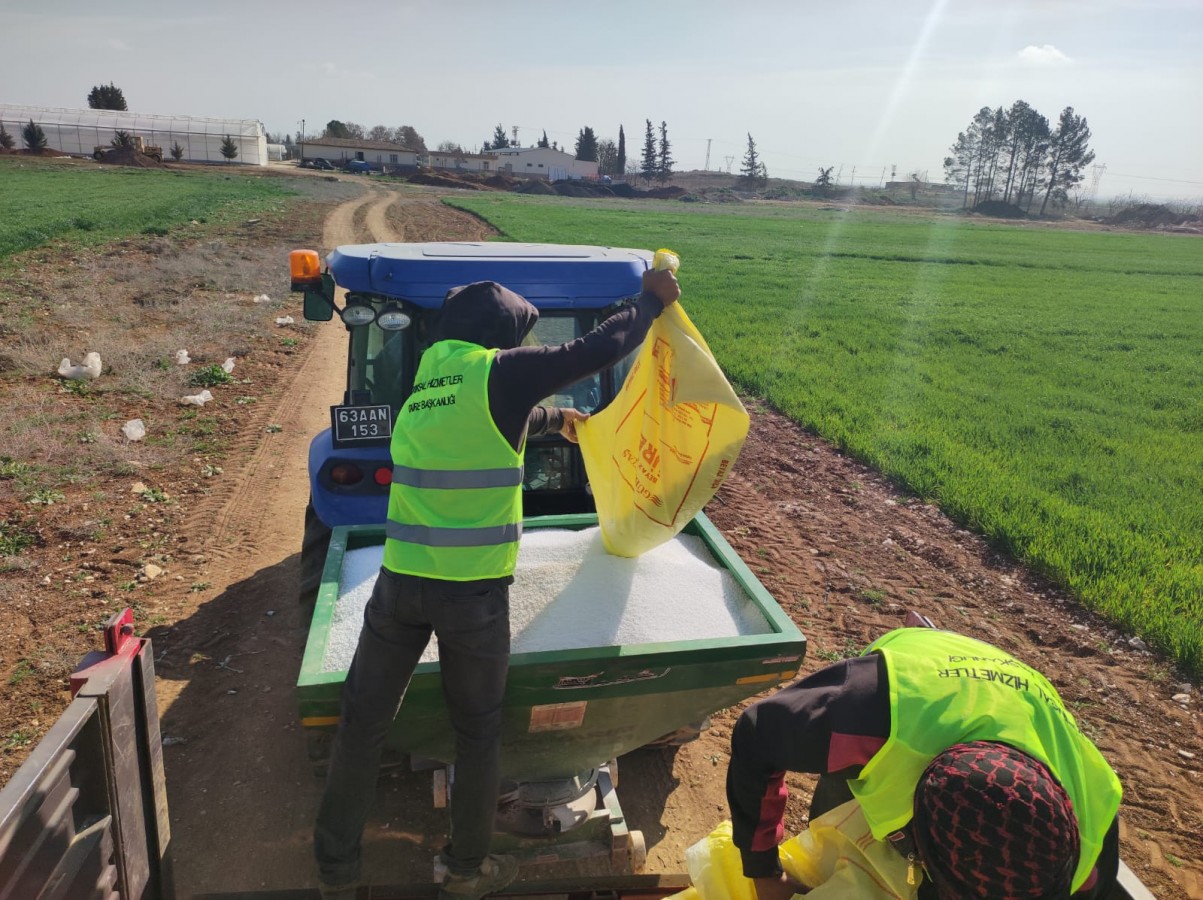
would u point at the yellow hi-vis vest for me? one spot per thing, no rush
(455, 506)
(948, 689)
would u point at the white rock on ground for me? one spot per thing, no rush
(87, 370)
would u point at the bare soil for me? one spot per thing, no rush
(844, 552)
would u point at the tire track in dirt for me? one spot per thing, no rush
(376, 218)
(249, 517)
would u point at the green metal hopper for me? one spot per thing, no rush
(569, 711)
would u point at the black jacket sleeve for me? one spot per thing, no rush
(832, 721)
(523, 376)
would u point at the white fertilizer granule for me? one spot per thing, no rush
(569, 593)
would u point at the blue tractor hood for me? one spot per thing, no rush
(551, 276)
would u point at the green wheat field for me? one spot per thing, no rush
(1043, 385)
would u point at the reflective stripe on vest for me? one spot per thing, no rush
(456, 479)
(453, 537)
(948, 689)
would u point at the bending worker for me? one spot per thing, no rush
(962, 757)
(454, 522)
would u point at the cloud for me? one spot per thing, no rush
(1044, 55)
(118, 44)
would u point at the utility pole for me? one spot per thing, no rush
(515, 131)
(302, 138)
(1094, 181)
(729, 159)
(854, 176)
(706, 168)
(882, 180)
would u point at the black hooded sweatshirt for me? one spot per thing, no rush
(491, 315)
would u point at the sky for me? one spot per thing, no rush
(872, 88)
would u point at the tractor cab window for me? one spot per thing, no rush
(381, 363)
(552, 329)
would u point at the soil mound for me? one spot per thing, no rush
(1150, 215)
(443, 181)
(541, 188)
(45, 151)
(999, 210)
(127, 156)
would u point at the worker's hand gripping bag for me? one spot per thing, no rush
(660, 451)
(837, 854)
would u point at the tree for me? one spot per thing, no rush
(6, 139)
(407, 136)
(664, 159)
(106, 96)
(607, 157)
(1068, 154)
(500, 141)
(586, 145)
(380, 133)
(543, 142)
(450, 147)
(34, 136)
(177, 152)
(336, 129)
(752, 168)
(620, 162)
(917, 179)
(229, 149)
(965, 165)
(122, 140)
(649, 162)
(823, 182)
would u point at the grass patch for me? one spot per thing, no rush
(46, 201)
(1044, 386)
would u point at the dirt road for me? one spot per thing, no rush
(844, 554)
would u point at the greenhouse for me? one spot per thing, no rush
(78, 132)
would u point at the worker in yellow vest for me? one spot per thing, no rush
(451, 542)
(960, 756)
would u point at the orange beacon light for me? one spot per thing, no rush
(305, 269)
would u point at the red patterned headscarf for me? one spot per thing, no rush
(992, 822)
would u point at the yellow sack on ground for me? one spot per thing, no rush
(660, 451)
(837, 854)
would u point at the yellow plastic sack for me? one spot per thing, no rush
(660, 451)
(836, 855)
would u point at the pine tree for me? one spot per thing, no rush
(34, 136)
(500, 141)
(664, 161)
(543, 142)
(649, 163)
(586, 145)
(620, 164)
(1068, 154)
(753, 169)
(6, 139)
(177, 152)
(229, 149)
(106, 96)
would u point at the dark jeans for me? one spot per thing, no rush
(471, 620)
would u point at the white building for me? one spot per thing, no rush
(76, 132)
(543, 162)
(340, 151)
(460, 162)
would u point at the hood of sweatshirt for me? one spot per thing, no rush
(486, 313)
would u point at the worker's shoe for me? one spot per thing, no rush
(496, 873)
(337, 891)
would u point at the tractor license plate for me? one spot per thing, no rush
(363, 425)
